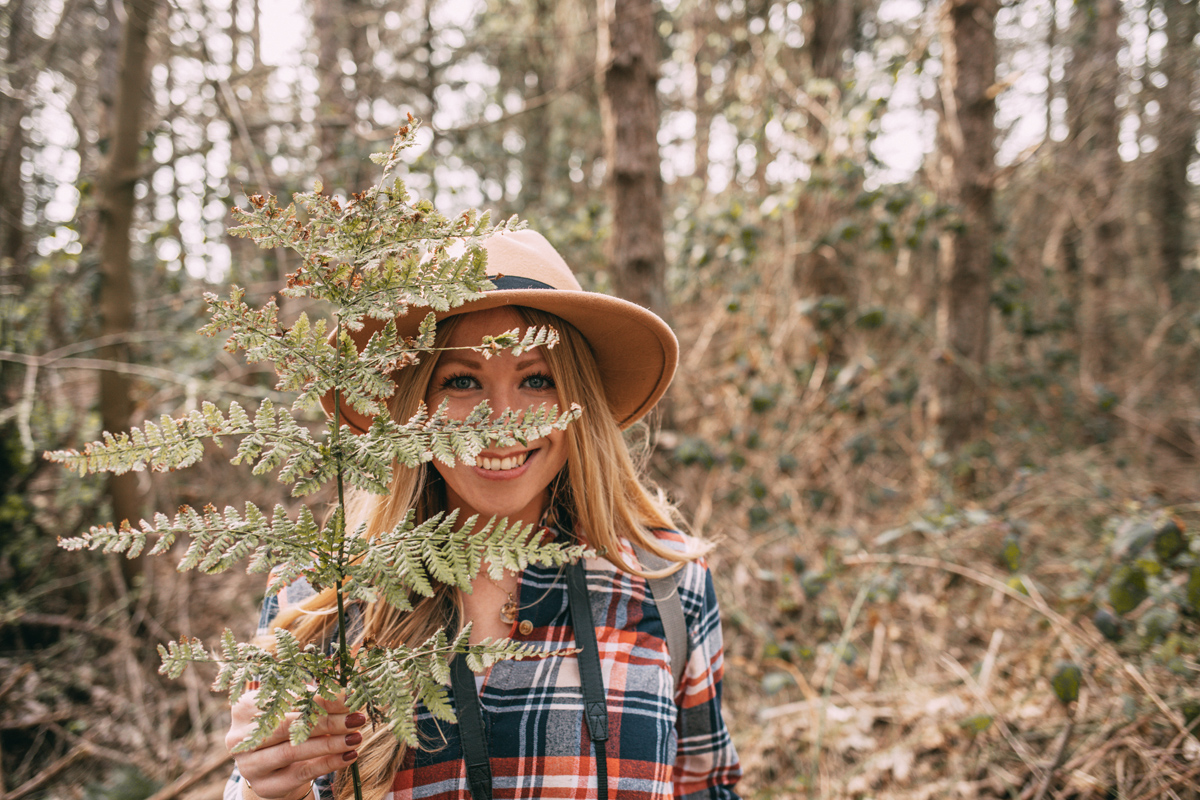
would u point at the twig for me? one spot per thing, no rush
(14, 679)
(1058, 759)
(1166, 753)
(1163, 707)
(878, 642)
(191, 777)
(63, 621)
(989, 659)
(146, 765)
(1194, 770)
(979, 577)
(47, 775)
(843, 640)
(1017, 746)
(35, 722)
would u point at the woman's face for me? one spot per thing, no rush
(510, 481)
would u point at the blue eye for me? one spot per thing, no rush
(460, 383)
(539, 382)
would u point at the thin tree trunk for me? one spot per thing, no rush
(628, 58)
(1098, 156)
(12, 142)
(116, 211)
(1170, 189)
(959, 399)
(537, 125)
(702, 108)
(828, 27)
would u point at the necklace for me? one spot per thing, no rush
(510, 609)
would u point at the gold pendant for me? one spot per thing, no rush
(508, 611)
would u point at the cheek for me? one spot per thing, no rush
(560, 449)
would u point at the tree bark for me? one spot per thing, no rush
(628, 59)
(959, 400)
(116, 219)
(12, 142)
(537, 126)
(817, 272)
(1099, 164)
(1169, 189)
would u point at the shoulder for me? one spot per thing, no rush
(692, 579)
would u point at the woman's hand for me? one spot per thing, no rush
(279, 770)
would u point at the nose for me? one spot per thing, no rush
(503, 399)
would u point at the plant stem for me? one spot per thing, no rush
(827, 690)
(340, 532)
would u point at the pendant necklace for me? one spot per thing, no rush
(508, 611)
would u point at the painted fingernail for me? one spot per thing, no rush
(348, 757)
(355, 720)
(353, 739)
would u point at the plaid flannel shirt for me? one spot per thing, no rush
(662, 743)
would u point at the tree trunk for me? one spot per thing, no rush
(701, 107)
(116, 213)
(336, 111)
(968, 133)
(817, 272)
(538, 124)
(12, 142)
(1097, 158)
(1169, 189)
(628, 58)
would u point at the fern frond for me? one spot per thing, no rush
(170, 444)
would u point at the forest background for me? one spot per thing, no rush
(932, 266)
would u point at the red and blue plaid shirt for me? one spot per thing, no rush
(663, 742)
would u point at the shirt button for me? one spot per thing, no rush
(526, 627)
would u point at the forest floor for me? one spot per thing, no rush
(897, 625)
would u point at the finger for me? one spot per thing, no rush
(334, 706)
(278, 771)
(339, 723)
(286, 783)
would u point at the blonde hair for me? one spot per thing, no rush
(600, 488)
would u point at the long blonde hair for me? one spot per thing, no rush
(600, 487)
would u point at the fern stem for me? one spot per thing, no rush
(340, 532)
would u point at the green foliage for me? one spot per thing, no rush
(1066, 680)
(976, 723)
(1155, 566)
(1127, 589)
(376, 257)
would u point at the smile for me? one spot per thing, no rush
(500, 464)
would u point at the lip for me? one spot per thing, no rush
(505, 474)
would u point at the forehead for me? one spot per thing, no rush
(472, 327)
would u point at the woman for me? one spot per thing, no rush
(522, 725)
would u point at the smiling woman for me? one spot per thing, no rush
(644, 662)
(512, 482)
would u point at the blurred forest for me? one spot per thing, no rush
(932, 265)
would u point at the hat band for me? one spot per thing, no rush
(509, 282)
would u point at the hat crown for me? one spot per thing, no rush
(527, 254)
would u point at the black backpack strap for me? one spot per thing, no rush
(591, 678)
(470, 729)
(670, 609)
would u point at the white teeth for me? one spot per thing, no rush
(509, 462)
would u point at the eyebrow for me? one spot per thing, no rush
(469, 358)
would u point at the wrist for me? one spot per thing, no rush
(250, 794)
(308, 790)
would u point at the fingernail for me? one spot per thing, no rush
(353, 739)
(348, 757)
(355, 720)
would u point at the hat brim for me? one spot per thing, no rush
(636, 352)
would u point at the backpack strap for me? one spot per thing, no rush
(471, 729)
(670, 608)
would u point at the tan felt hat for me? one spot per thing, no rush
(635, 350)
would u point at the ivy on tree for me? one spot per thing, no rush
(378, 256)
